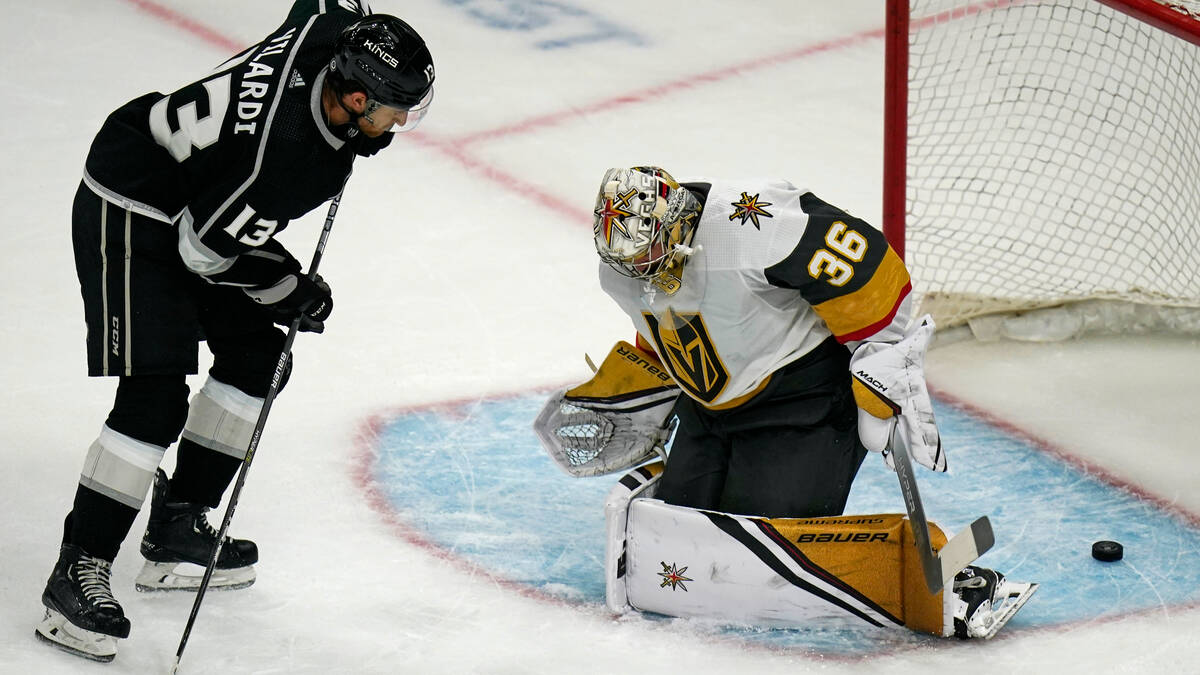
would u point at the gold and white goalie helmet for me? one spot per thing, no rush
(644, 221)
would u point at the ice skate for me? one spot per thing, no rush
(82, 616)
(178, 544)
(986, 601)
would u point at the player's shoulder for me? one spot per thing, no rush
(754, 202)
(751, 222)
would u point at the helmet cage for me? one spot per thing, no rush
(642, 216)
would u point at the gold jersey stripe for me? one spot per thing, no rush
(871, 305)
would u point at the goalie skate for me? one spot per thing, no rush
(987, 600)
(58, 632)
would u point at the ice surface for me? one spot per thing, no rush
(463, 269)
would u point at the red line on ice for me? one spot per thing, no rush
(456, 148)
(195, 28)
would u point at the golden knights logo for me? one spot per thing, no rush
(749, 209)
(610, 216)
(687, 349)
(673, 576)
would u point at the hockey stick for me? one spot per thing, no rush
(961, 550)
(280, 368)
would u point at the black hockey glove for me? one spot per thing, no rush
(310, 300)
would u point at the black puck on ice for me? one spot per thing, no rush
(1108, 551)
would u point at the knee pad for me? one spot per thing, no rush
(222, 418)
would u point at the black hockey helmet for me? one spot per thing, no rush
(387, 58)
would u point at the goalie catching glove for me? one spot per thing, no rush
(616, 420)
(888, 383)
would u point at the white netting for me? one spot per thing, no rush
(1053, 156)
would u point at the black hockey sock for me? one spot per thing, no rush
(97, 524)
(201, 475)
(150, 408)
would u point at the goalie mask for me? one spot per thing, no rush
(644, 221)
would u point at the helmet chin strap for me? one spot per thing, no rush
(337, 97)
(354, 116)
(368, 108)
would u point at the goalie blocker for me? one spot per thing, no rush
(785, 572)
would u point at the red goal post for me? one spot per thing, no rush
(1046, 153)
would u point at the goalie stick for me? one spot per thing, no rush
(961, 550)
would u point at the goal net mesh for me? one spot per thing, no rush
(1053, 156)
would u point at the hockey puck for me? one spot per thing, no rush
(1108, 551)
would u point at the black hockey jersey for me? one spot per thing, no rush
(232, 157)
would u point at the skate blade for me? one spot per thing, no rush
(56, 631)
(1018, 593)
(172, 576)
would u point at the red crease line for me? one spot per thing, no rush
(195, 28)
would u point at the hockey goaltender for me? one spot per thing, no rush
(774, 348)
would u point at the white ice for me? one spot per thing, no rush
(463, 268)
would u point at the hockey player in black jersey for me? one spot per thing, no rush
(173, 229)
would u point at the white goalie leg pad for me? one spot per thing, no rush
(56, 630)
(641, 482)
(691, 563)
(120, 467)
(222, 417)
(787, 572)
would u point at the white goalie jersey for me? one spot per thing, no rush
(775, 258)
